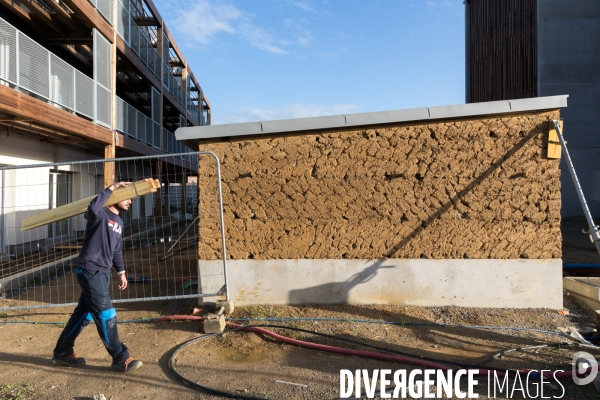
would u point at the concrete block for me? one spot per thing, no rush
(227, 306)
(582, 288)
(214, 323)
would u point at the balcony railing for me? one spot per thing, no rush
(30, 67)
(105, 8)
(137, 38)
(135, 124)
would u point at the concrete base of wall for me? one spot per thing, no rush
(465, 283)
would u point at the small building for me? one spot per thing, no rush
(435, 206)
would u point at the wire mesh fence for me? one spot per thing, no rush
(160, 232)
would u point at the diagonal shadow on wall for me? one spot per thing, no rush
(338, 292)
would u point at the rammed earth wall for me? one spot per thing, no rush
(463, 189)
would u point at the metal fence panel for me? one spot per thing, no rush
(160, 232)
(134, 36)
(34, 67)
(84, 94)
(8, 52)
(121, 110)
(155, 105)
(103, 107)
(156, 134)
(105, 7)
(149, 130)
(62, 81)
(103, 79)
(143, 46)
(102, 60)
(122, 23)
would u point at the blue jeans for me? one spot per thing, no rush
(94, 304)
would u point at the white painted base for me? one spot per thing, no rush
(466, 283)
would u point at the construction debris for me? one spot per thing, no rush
(137, 189)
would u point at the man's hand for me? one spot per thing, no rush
(118, 185)
(123, 284)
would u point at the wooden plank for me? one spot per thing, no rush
(109, 167)
(137, 189)
(16, 103)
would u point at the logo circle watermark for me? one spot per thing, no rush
(582, 361)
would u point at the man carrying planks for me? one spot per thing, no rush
(102, 248)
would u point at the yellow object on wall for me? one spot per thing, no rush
(553, 142)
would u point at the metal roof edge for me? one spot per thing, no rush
(191, 135)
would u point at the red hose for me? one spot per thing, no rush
(360, 353)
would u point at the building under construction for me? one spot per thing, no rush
(84, 82)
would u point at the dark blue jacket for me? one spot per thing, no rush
(103, 242)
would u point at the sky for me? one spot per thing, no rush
(259, 60)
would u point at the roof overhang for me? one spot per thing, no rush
(192, 136)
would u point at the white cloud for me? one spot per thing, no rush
(303, 5)
(304, 38)
(261, 39)
(205, 19)
(249, 114)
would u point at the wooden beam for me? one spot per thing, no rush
(15, 119)
(42, 15)
(59, 11)
(41, 113)
(137, 189)
(91, 16)
(12, 129)
(109, 167)
(145, 21)
(175, 63)
(18, 11)
(67, 140)
(86, 49)
(40, 130)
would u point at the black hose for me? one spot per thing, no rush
(201, 387)
(335, 337)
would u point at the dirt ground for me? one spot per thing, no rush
(253, 365)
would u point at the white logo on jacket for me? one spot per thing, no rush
(114, 225)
